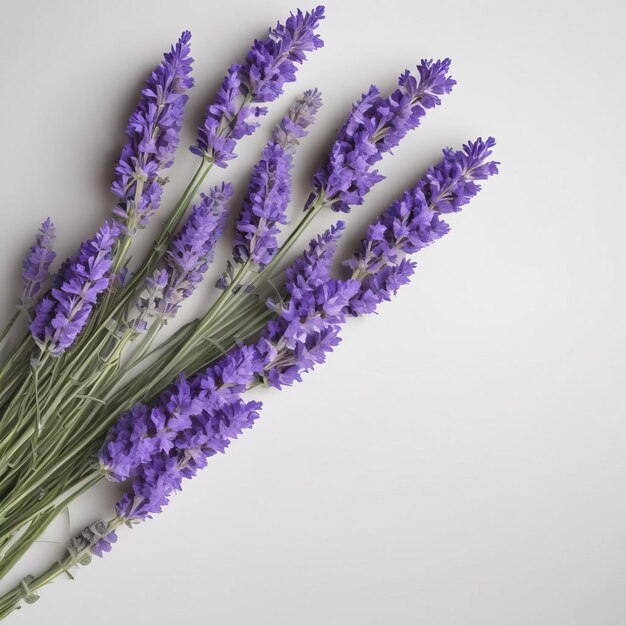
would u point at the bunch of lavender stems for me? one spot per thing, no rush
(188, 357)
(67, 383)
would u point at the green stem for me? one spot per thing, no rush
(27, 589)
(42, 518)
(9, 327)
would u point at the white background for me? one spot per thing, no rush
(460, 458)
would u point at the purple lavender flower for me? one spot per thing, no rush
(312, 267)
(35, 267)
(97, 538)
(153, 136)
(151, 488)
(269, 191)
(308, 321)
(128, 444)
(294, 125)
(413, 222)
(375, 126)
(193, 420)
(64, 311)
(450, 185)
(179, 417)
(187, 259)
(156, 480)
(270, 64)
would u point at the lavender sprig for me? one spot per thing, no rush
(187, 259)
(36, 266)
(375, 126)
(269, 190)
(270, 64)
(413, 222)
(153, 135)
(192, 421)
(64, 311)
(308, 321)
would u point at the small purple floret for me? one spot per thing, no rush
(36, 266)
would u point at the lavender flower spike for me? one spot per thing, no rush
(187, 259)
(193, 420)
(308, 322)
(270, 64)
(153, 136)
(64, 312)
(294, 125)
(413, 222)
(35, 267)
(269, 191)
(375, 126)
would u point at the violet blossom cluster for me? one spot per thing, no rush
(376, 125)
(194, 419)
(414, 221)
(269, 64)
(308, 320)
(96, 539)
(36, 267)
(63, 312)
(269, 191)
(153, 135)
(187, 259)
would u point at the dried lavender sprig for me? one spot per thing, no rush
(375, 126)
(269, 191)
(187, 258)
(269, 64)
(64, 311)
(36, 266)
(153, 135)
(413, 222)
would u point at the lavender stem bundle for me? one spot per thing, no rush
(77, 403)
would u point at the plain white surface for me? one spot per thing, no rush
(460, 458)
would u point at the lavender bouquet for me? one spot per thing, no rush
(77, 403)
